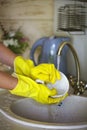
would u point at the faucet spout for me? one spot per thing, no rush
(75, 57)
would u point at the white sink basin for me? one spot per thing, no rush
(71, 114)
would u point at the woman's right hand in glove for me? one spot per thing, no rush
(27, 87)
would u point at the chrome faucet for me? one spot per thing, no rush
(78, 85)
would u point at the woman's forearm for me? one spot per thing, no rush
(7, 81)
(6, 55)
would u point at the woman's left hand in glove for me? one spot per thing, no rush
(45, 72)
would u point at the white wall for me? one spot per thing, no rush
(80, 45)
(79, 42)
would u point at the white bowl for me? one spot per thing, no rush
(62, 86)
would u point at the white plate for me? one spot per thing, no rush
(62, 86)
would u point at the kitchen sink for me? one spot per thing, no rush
(72, 110)
(69, 114)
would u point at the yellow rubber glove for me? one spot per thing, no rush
(23, 66)
(28, 88)
(45, 72)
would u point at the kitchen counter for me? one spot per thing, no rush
(5, 123)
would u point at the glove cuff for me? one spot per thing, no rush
(23, 66)
(21, 88)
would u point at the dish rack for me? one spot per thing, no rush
(70, 17)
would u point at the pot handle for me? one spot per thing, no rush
(35, 46)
